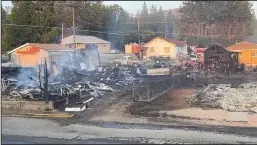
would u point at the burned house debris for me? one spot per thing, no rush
(219, 58)
(235, 98)
(74, 78)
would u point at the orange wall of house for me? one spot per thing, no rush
(245, 57)
(29, 60)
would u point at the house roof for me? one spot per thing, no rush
(244, 45)
(252, 39)
(83, 39)
(47, 47)
(211, 46)
(200, 50)
(177, 43)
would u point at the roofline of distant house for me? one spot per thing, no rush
(240, 49)
(18, 48)
(86, 43)
(26, 44)
(170, 41)
(62, 49)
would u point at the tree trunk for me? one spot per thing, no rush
(45, 89)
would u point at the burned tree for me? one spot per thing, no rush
(42, 76)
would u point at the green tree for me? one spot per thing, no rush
(225, 18)
(29, 13)
(169, 25)
(144, 13)
(161, 22)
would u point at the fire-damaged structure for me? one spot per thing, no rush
(74, 78)
(217, 56)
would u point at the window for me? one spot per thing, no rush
(166, 50)
(253, 54)
(151, 49)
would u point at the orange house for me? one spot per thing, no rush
(248, 52)
(32, 54)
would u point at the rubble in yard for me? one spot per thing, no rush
(69, 82)
(235, 98)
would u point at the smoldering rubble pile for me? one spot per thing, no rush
(69, 82)
(235, 98)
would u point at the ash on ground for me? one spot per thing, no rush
(234, 97)
(22, 83)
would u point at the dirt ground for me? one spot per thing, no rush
(175, 102)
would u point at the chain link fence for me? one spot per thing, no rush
(148, 92)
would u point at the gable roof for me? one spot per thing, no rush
(83, 39)
(200, 50)
(244, 45)
(45, 46)
(252, 39)
(177, 43)
(215, 45)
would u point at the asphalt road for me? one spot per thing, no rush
(31, 131)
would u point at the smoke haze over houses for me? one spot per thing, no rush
(133, 6)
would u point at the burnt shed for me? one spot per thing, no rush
(215, 53)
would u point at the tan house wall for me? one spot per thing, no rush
(80, 45)
(44, 56)
(103, 48)
(158, 45)
(128, 49)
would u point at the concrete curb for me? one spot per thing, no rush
(41, 115)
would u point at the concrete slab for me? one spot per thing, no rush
(237, 117)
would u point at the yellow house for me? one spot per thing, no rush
(248, 52)
(81, 41)
(164, 47)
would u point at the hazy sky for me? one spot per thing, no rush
(133, 6)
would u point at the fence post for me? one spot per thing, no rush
(178, 77)
(172, 80)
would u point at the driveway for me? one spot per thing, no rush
(23, 129)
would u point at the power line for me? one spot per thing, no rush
(102, 32)
(150, 23)
(60, 28)
(153, 16)
(90, 23)
(122, 33)
(32, 26)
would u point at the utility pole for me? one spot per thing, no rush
(252, 64)
(73, 11)
(138, 30)
(138, 27)
(62, 31)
